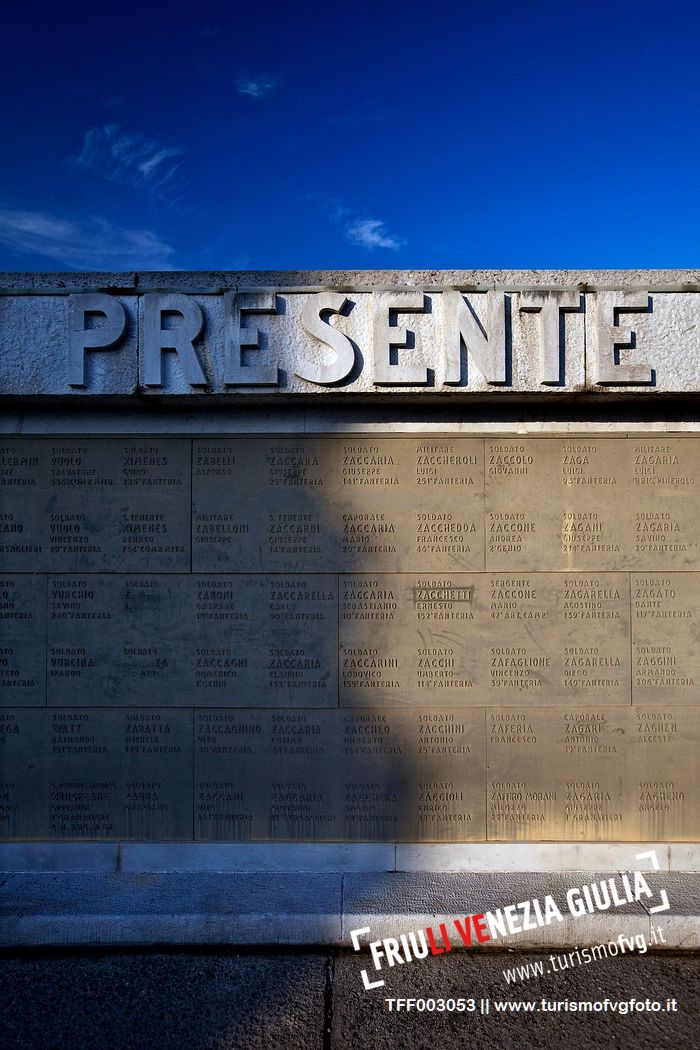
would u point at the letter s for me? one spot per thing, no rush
(313, 323)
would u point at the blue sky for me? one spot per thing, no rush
(313, 135)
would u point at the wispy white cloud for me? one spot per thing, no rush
(372, 233)
(357, 226)
(134, 160)
(256, 87)
(93, 245)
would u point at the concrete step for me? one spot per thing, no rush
(263, 908)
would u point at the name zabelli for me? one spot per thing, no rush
(333, 338)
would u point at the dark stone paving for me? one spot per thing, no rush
(229, 999)
(360, 1019)
(162, 1001)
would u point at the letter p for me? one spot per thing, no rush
(82, 338)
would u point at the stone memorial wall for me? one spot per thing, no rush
(400, 637)
(244, 599)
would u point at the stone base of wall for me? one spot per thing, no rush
(83, 908)
(132, 893)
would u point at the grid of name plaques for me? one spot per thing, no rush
(375, 638)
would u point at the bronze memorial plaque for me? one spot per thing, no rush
(119, 773)
(325, 775)
(266, 775)
(116, 639)
(264, 641)
(92, 505)
(25, 755)
(414, 776)
(339, 637)
(337, 504)
(260, 505)
(667, 777)
(484, 638)
(23, 642)
(561, 773)
(192, 640)
(593, 503)
(666, 644)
